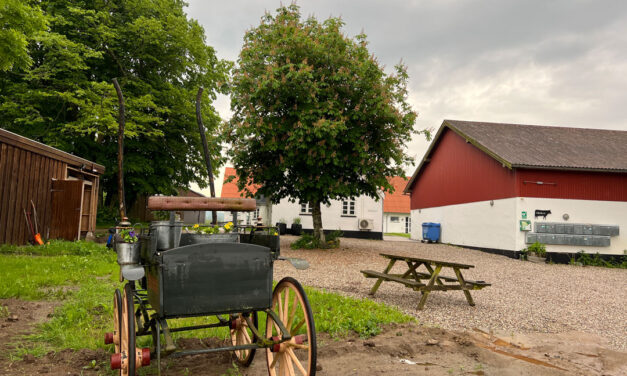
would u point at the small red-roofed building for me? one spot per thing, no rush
(396, 208)
(230, 190)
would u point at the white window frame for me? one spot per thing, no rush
(348, 207)
(305, 208)
(395, 219)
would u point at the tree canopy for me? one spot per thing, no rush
(67, 100)
(316, 117)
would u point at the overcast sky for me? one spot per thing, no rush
(540, 62)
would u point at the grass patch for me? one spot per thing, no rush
(57, 248)
(339, 315)
(91, 272)
(402, 234)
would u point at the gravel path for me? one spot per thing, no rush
(524, 297)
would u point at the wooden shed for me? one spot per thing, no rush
(63, 188)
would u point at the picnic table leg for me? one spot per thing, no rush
(378, 282)
(458, 273)
(425, 291)
(430, 269)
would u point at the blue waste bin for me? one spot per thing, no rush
(431, 231)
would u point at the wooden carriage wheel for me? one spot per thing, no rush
(241, 334)
(117, 319)
(298, 355)
(128, 328)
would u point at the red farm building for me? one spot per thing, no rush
(500, 187)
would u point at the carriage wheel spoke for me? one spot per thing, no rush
(295, 330)
(275, 357)
(290, 366)
(247, 336)
(278, 303)
(286, 307)
(292, 315)
(297, 362)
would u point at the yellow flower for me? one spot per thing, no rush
(228, 225)
(196, 225)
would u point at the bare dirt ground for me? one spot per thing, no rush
(427, 348)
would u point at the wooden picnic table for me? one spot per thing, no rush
(413, 278)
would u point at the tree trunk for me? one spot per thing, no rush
(203, 139)
(122, 122)
(318, 231)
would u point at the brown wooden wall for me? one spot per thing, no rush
(25, 176)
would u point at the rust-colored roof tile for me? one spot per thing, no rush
(396, 202)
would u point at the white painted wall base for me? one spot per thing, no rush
(480, 224)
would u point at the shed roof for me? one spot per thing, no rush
(16, 140)
(229, 189)
(536, 146)
(396, 202)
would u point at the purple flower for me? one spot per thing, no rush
(131, 234)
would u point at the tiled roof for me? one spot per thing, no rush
(396, 202)
(230, 189)
(542, 146)
(535, 146)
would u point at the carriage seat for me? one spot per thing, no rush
(201, 203)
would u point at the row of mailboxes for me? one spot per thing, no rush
(575, 229)
(566, 239)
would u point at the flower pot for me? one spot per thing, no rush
(296, 229)
(271, 241)
(128, 253)
(536, 259)
(189, 239)
(161, 230)
(282, 228)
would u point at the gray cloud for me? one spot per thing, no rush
(535, 62)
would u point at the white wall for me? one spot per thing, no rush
(579, 211)
(389, 226)
(332, 219)
(476, 224)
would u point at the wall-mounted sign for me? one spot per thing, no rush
(542, 213)
(525, 225)
(524, 215)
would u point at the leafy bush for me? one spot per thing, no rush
(308, 241)
(587, 259)
(296, 221)
(538, 248)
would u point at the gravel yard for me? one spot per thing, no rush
(524, 297)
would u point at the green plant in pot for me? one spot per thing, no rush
(297, 228)
(282, 226)
(536, 252)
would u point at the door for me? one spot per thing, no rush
(407, 225)
(66, 209)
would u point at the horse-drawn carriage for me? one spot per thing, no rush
(229, 277)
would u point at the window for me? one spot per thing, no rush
(394, 219)
(348, 207)
(407, 225)
(306, 208)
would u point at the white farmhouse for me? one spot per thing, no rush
(358, 218)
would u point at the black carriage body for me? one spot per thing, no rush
(207, 279)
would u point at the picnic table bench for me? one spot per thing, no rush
(433, 281)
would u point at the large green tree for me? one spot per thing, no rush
(18, 22)
(159, 56)
(316, 117)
